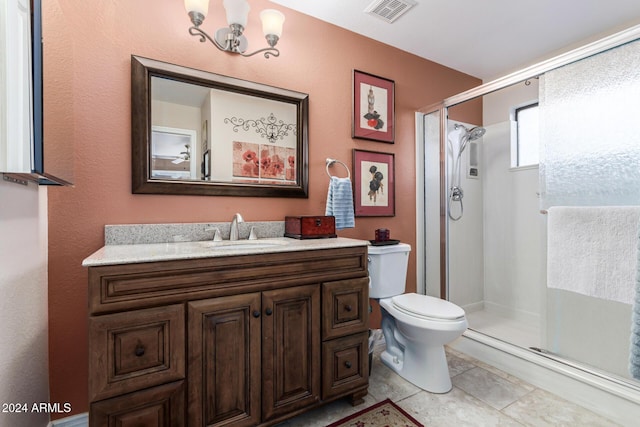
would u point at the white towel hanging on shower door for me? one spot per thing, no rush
(591, 250)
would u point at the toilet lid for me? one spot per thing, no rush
(426, 306)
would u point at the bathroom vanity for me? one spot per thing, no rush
(203, 334)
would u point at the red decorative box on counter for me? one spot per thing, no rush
(310, 227)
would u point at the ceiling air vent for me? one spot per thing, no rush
(389, 10)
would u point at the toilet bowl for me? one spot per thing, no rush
(416, 327)
(415, 341)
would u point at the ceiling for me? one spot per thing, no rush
(483, 38)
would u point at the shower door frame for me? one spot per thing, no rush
(594, 48)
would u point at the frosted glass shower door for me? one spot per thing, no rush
(590, 183)
(590, 129)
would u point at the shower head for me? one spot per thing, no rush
(471, 134)
(476, 133)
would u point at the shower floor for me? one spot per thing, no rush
(516, 331)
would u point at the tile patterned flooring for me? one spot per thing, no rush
(481, 396)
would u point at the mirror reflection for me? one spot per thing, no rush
(171, 153)
(233, 136)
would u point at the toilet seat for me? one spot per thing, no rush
(428, 308)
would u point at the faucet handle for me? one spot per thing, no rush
(217, 237)
(252, 234)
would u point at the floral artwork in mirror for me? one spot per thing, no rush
(195, 132)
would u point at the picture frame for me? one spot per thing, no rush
(373, 107)
(206, 164)
(374, 183)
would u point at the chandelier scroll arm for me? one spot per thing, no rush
(196, 31)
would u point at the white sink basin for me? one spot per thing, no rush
(245, 244)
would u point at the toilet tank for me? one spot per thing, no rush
(388, 270)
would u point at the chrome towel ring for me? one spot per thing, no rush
(331, 162)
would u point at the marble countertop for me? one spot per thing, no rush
(151, 252)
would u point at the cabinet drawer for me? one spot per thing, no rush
(161, 406)
(134, 350)
(345, 364)
(345, 306)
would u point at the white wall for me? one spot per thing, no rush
(24, 375)
(466, 235)
(514, 243)
(513, 232)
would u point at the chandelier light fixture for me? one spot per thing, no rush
(231, 39)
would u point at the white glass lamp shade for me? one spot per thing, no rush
(272, 21)
(199, 6)
(237, 11)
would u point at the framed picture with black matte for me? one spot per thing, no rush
(374, 183)
(373, 108)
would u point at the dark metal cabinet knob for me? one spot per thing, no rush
(348, 307)
(269, 312)
(139, 351)
(256, 313)
(347, 364)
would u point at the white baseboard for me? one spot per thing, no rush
(617, 402)
(80, 420)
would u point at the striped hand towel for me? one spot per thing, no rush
(340, 202)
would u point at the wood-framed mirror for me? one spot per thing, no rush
(200, 133)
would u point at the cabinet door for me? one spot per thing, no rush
(290, 349)
(161, 406)
(224, 361)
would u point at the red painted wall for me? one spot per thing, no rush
(88, 46)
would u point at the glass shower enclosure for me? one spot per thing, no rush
(502, 260)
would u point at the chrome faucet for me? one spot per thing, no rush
(237, 218)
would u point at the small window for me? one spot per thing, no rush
(527, 145)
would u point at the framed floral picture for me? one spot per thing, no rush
(374, 183)
(373, 108)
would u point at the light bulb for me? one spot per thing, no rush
(272, 21)
(198, 6)
(237, 12)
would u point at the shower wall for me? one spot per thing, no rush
(514, 244)
(466, 234)
(496, 248)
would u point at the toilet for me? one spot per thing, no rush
(415, 327)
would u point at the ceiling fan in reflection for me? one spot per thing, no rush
(184, 156)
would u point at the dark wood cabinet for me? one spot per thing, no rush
(345, 349)
(290, 349)
(224, 361)
(210, 342)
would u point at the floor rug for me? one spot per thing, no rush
(382, 414)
